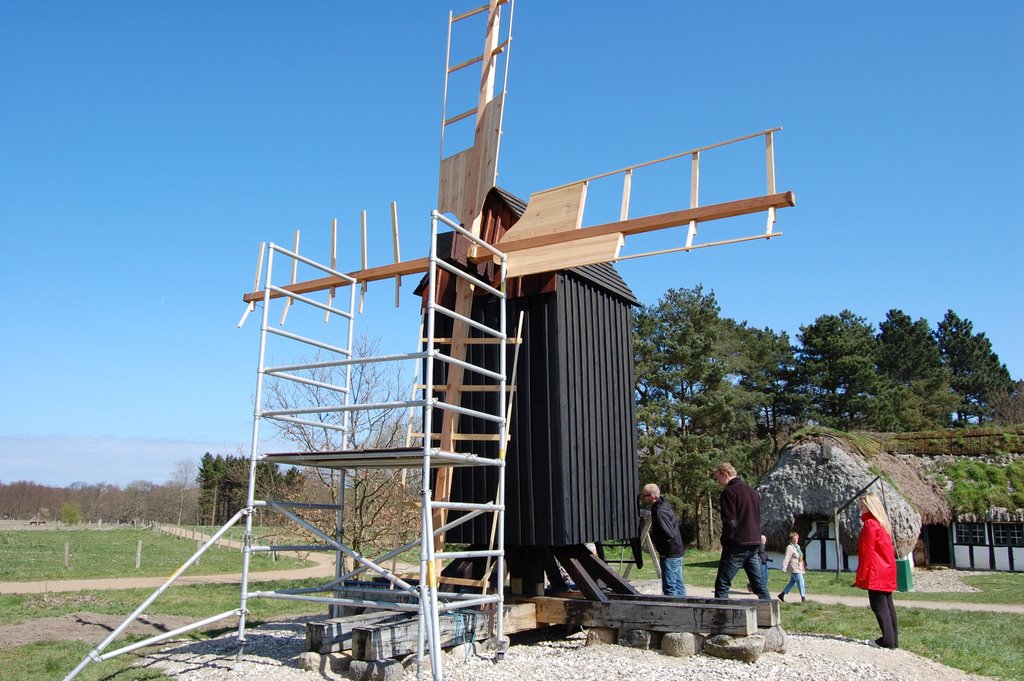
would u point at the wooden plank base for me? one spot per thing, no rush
(334, 635)
(401, 637)
(768, 612)
(732, 618)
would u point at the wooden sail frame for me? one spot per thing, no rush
(640, 225)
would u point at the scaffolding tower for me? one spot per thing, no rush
(422, 595)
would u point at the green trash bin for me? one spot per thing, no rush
(904, 580)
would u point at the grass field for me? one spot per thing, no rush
(54, 659)
(991, 644)
(986, 643)
(29, 555)
(700, 567)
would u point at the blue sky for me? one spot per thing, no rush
(147, 148)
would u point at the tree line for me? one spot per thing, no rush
(138, 502)
(711, 389)
(224, 484)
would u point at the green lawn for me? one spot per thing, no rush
(36, 555)
(986, 643)
(197, 601)
(54, 659)
(700, 567)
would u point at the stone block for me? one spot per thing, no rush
(309, 661)
(635, 638)
(376, 670)
(602, 636)
(681, 644)
(774, 639)
(462, 651)
(742, 648)
(338, 662)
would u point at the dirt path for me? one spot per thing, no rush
(862, 601)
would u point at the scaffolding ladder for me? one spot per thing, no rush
(422, 596)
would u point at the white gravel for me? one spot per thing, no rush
(272, 650)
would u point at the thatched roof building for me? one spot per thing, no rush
(818, 474)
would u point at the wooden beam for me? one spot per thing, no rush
(734, 619)
(641, 225)
(769, 613)
(387, 640)
(335, 634)
(417, 266)
(652, 223)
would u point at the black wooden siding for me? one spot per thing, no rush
(572, 461)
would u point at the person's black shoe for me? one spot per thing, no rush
(782, 597)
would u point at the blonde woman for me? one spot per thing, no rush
(796, 566)
(876, 568)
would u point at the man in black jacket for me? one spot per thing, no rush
(741, 533)
(667, 539)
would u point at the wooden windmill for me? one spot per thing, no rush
(577, 312)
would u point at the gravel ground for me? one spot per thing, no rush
(271, 654)
(272, 650)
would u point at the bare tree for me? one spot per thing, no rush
(379, 503)
(183, 482)
(1009, 405)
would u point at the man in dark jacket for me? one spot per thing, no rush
(667, 539)
(741, 533)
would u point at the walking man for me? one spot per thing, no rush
(667, 539)
(741, 533)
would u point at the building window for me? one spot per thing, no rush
(970, 533)
(819, 530)
(1008, 534)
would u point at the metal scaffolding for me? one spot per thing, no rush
(422, 595)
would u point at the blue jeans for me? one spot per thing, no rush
(672, 576)
(796, 578)
(736, 557)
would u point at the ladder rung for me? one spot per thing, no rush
(466, 506)
(473, 341)
(459, 581)
(467, 388)
(501, 48)
(464, 114)
(472, 13)
(469, 62)
(477, 59)
(478, 437)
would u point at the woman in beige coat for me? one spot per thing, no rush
(794, 564)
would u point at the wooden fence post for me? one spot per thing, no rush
(138, 554)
